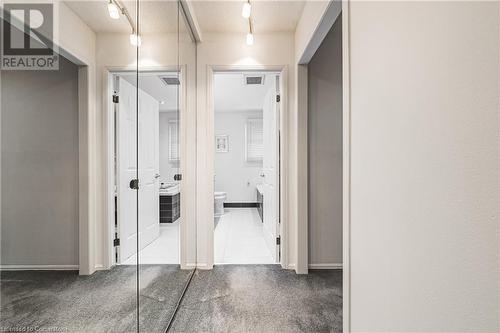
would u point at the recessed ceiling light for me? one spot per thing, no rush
(162, 102)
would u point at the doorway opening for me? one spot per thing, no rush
(247, 166)
(146, 223)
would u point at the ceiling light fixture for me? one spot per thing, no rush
(135, 40)
(249, 38)
(250, 32)
(247, 9)
(113, 10)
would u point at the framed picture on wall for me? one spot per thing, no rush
(221, 143)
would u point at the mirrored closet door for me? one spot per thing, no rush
(97, 165)
(166, 162)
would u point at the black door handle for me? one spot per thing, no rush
(134, 184)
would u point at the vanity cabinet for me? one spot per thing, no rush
(260, 204)
(170, 207)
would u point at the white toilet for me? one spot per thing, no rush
(219, 198)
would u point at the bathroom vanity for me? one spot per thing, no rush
(260, 202)
(170, 204)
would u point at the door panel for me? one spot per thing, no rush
(149, 183)
(147, 168)
(126, 169)
(270, 172)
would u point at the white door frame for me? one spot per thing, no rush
(108, 138)
(284, 154)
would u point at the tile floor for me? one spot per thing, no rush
(239, 238)
(164, 250)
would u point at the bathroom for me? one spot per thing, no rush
(246, 159)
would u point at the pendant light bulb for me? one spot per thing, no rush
(135, 40)
(247, 10)
(113, 10)
(249, 38)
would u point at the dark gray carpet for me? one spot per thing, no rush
(103, 302)
(246, 298)
(261, 298)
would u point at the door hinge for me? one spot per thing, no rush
(116, 99)
(134, 184)
(178, 176)
(278, 240)
(278, 98)
(116, 242)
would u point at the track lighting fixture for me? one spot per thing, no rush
(247, 9)
(249, 38)
(113, 10)
(247, 13)
(135, 40)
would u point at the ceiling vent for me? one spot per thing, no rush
(170, 80)
(254, 80)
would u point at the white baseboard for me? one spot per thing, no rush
(189, 266)
(325, 266)
(39, 267)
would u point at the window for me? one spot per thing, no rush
(173, 140)
(254, 136)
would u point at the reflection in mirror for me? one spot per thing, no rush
(74, 137)
(166, 225)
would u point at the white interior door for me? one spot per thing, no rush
(147, 228)
(270, 171)
(149, 168)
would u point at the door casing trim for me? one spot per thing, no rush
(108, 157)
(206, 242)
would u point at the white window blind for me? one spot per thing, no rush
(173, 140)
(254, 137)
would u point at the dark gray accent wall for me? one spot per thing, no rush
(325, 150)
(39, 166)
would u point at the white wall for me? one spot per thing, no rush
(425, 168)
(325, 152)
(231, 50)
(308, 24)
(40, 168)
(167, 168)
(78, 43)
(233, 174)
